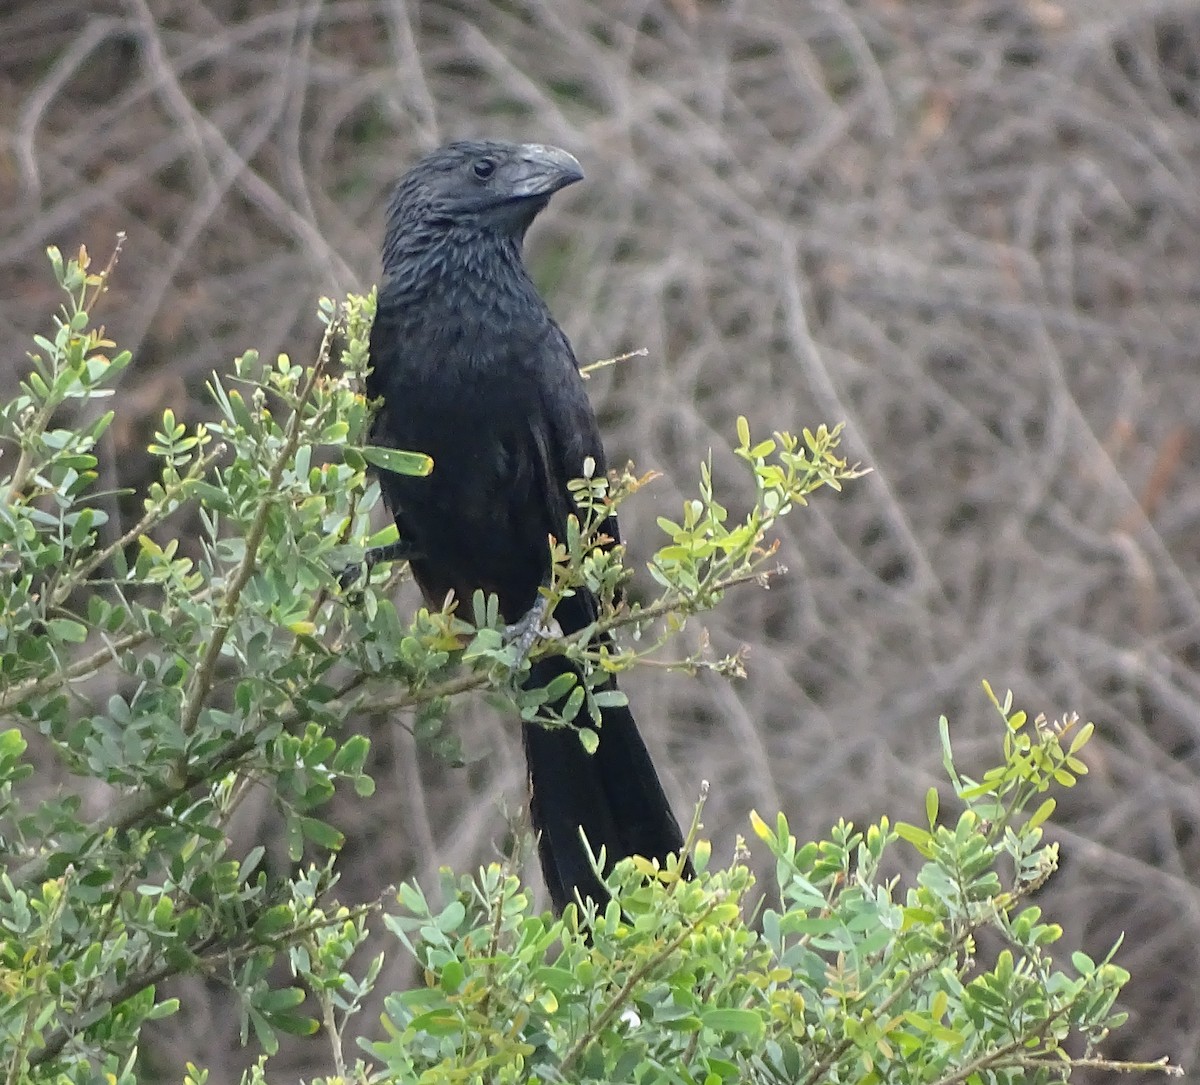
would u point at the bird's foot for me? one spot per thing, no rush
(353, 573)
(523, 633)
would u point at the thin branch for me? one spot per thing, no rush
(206, 668)
(212, 947)
(81, 668)
(622, 996)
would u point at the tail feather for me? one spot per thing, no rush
(613, 795)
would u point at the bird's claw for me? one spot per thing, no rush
(524, 632)
(352, 574)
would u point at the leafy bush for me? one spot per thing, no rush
(236, 658)
(850, 978)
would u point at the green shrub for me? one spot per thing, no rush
(238, 657)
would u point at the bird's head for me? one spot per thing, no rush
(482, 186)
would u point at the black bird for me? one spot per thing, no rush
(472, 369)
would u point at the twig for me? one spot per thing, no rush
(618, 1000)
(587, 370)
(202, 677)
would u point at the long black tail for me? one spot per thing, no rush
(613, 795)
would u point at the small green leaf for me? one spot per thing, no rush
(283, 998)
(1041, 813)
(1081, 739)
(272, 921)
(67, 630)
(722, 1019)
(165, 1008)
(384, 537)
(321, 833)
(349, 759)
(453, 975)
(450, 918)
(12, 745)
(400, 463)
(919, 838)
(560, 685)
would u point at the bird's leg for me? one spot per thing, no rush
(393, 551)
(524, 632)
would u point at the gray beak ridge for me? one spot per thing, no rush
(541, 170)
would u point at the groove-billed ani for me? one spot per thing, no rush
(472, 369)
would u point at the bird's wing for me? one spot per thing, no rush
(565, 434)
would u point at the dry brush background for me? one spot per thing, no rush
(969, 228)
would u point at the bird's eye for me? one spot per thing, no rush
(484, 168)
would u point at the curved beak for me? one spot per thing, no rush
(541, 170)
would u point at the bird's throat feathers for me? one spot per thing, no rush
(447, 266)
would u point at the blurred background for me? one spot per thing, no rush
(968, 228)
